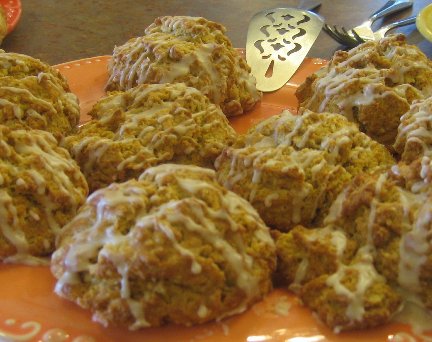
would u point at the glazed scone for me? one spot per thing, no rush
(171, 247)
(305, 254)
(292, 167)
(41, 189)
(191, 50)
(335, 277)
(372, 84)
(372, 256)
(19, 66)
(354, 297)
(146, 126)
(389, 214)
(35, 96)
(414, 137)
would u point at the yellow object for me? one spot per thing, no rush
(424, 22)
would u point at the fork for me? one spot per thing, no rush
(347, 38)
(383, 30)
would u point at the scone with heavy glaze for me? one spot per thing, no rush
(356, 296)
(192, 50)
(41, 189)
(292, 167)
(146, 126)
(35, 96)
(372, 85)
(373, 254)
(171, 247)
(334, 275)
(414, 138)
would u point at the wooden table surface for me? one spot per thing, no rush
(57, 31)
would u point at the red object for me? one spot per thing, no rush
(13, 12)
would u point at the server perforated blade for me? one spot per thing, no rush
(278, 40)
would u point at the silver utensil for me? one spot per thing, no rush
(278, 40)
(383, 30)
(348, 37)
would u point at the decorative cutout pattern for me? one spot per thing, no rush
(279, 35)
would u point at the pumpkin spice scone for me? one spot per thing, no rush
(41, 189)
(414, 137)
(34, 95)
(185, 49)
(372, 85)
(372, 257)
(292, 167)
(334, 275)
(146, 126)
(173, 246)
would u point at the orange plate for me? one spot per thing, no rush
(30, 311)
(13, 12)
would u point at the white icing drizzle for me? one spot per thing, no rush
(9, 223)
(153, 126)
(415, 129)
(311, 147)
(355, 80)
(36, 155)
(367, 275)
(190, 213)
(208, 63)
(414, 249)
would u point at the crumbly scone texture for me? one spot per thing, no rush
(171, 247)
(414, 138)
(35, 96)
(41, 189)
(292, 167)
(372, 85)
(375, 241)
(146, 126)
(192, 50)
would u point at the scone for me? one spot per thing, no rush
(292, 167)
(146, 126)
(372, 85)
(171, 247)
(354, 297)
(390, 218)
(35, 96)
(191, 50)
(334, 276)
(414, 138)
(41, 189)
(373, 254)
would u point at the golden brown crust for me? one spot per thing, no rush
(41, 189)
(372, 255)
(292, 167)
(192, 50)
(146, 126)
(373, 83)
(380, 302)
(172, 247)
(414, 137)
(35, 96)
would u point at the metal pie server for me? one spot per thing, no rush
(278, 40)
